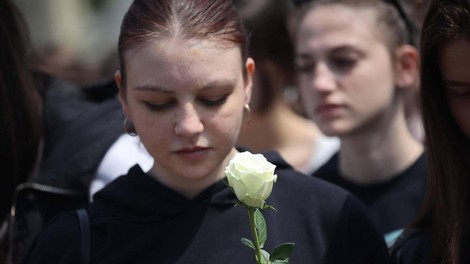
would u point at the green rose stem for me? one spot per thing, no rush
(251, 215)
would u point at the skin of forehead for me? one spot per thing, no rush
(176, 57)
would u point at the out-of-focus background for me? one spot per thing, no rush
(75, 39)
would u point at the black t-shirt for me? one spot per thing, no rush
(392, 204)
(136, 219)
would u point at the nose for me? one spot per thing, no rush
(323, 79)
(188, 121)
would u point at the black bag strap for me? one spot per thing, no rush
(84, 235)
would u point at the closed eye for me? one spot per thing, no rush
(343, 63)
(344, 58)
(158, 107)
(214, 101)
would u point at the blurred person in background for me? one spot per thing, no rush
(85, 147)
(441, 234)
(20, 110)
(79, 126)
(355, 70)
(413, 12)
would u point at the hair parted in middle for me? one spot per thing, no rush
(148, 20)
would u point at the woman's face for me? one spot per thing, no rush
(346, 74)
(455, 67)
(186, 99)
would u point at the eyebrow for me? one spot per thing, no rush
(226, 83)
(151, 88)
(342, 48)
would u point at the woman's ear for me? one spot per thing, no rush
(122, 93)
(250, 70)
(407, 67)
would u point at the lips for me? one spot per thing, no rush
(193, 153)
(328, 110)
(325, 108)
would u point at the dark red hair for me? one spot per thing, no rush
(148, 20)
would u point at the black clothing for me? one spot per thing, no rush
(392, 204)
(414, 247)
(84, 131)
(79, 132)
(135, 219)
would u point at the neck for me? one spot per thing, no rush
(378, 154)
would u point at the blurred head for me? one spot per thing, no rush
(20, 106)
(354, 64)
(184, 81)
(445, 96)
(266, 21)
(445, 79)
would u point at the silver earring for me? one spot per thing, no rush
(129, 128)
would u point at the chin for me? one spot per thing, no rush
(190, 174)
(332, 129)
(194, 174)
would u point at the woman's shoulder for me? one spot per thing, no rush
(412, 247)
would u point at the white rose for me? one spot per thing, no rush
(252, 177)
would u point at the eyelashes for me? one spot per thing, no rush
(341, 64)
(207, 102)
(158, 107)
(214, 102)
